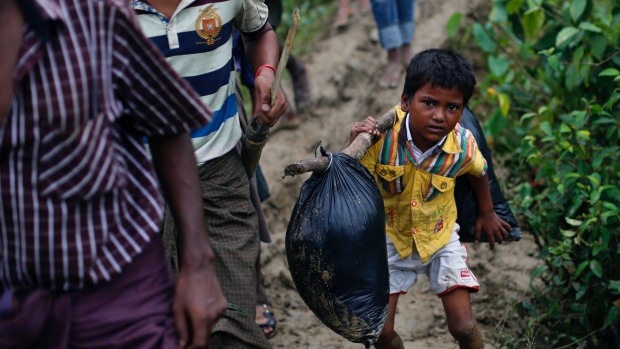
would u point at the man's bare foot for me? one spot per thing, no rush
(405, 54)
(342, 18)
(265, 319)
(365, 6)
(391, 75)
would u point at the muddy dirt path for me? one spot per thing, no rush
(344, 71)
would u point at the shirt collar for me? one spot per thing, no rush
(39, 14)
(49, 9)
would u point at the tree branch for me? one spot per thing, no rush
(357, 149)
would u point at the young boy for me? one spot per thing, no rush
(415, 165)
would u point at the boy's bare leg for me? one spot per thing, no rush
(461, 320)
(391, 74)
(389, 339)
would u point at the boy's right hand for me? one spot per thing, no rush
(368, 125)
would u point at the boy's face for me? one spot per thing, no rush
(433, 113)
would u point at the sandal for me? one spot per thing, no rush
(271, 321)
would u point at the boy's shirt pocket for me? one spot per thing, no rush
(439, 185)
(391, 177)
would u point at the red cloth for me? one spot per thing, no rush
(134, 310)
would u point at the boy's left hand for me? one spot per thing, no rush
(495, 228)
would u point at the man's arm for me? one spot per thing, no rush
(487, 221)
(262, 47)
(198, 301)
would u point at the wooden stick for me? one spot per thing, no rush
(357, 149)
(286, 52)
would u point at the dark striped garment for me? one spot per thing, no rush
(78, 196)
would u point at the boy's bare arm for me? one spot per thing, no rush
(198, 296)
(487, 221)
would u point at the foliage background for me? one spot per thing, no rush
(552, 91)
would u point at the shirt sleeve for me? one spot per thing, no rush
(157, 101)
(478, 165)
(252, 16)
(370, 159)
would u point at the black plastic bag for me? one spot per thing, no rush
(336, 251)
(466, 204)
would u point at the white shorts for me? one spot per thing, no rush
(447, 269)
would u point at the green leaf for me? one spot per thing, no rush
(498, 65)
(483, 40)
(595, 179)
(596, 268)
(513, 5)
(453, 24)
(590, 27)
(496, 123)
(554, 62)
(565, 35)
(573, 222)
(504, 103)
(603, 11)
(533, 20)
(598, 44)
(568, 233)
(573, 77)
(576, 9)
(612, 315)
(526, 116)
(582, 291)
(578, 55)
(617, 78)
(538, 271)
(498, 14)
(609, 72)
(610, 206)
(564, 128)
(580, 268)
(546, 128)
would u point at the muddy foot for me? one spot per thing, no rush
(342, 18)
(391, 75)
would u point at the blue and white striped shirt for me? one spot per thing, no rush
(197, 42)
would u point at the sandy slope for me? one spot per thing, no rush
(344, 72)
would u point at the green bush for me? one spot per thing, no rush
(552, 85)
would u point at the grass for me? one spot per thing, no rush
(316, 16)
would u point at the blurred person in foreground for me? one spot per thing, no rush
(80, 204)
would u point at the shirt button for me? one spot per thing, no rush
(393, 173)
(383, 172)
(169, 28)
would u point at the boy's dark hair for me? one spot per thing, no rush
(440, 68)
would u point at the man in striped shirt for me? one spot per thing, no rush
(195, 36)
(80, 205)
